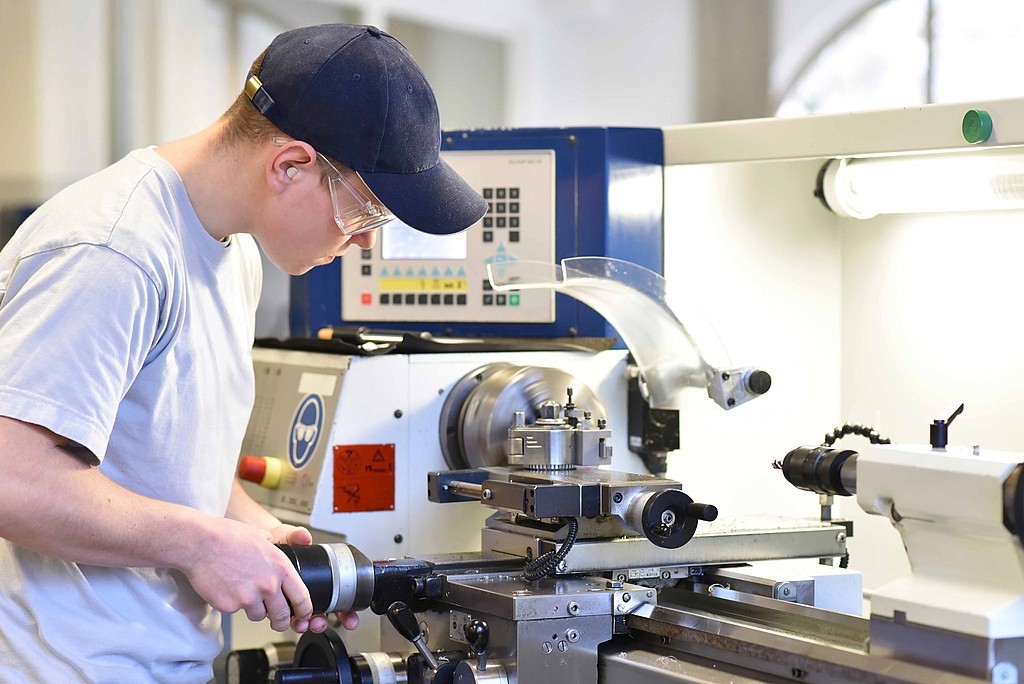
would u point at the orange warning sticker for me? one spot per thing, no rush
(364, 477)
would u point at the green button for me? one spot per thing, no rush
(977, 126)
(513, 300)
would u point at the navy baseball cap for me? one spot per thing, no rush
(357, 96)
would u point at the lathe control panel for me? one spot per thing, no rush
(410, 276)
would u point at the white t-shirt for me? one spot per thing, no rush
(126, 328)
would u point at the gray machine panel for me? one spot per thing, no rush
(296, 400)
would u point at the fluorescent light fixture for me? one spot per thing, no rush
(972, 180)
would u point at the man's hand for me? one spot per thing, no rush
(243, 508)
(300, 536)
(239, 568)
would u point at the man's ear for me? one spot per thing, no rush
(288, 161)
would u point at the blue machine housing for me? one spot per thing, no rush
(590, 220)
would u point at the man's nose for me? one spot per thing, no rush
(365, 240)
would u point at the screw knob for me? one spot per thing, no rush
(477, 634)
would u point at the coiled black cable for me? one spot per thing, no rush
(849, 429)
(541, 566)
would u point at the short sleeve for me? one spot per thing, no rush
(76, 326)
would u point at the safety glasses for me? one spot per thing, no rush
(355, 211)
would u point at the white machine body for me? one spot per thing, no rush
(967, 567)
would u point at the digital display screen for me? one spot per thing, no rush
(399, 241)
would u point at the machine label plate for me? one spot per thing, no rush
(364, 477)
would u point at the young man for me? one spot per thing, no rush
(127, 309)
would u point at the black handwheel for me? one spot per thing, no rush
(319, 659)
(665, 521)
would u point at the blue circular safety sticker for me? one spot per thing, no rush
(307, 425)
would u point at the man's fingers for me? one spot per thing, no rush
(349, 619)
(256, 612)
(298, 596)
(278, 612)
(318, 623)
(300, 536)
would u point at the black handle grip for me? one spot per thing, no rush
(404, 620)
(705, 512)
(477, 634)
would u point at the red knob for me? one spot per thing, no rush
(252, 468)
(263, 470)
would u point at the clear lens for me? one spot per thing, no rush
(360, 214)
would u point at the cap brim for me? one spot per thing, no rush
(436, 201)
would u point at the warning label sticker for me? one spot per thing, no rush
(364, 477)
